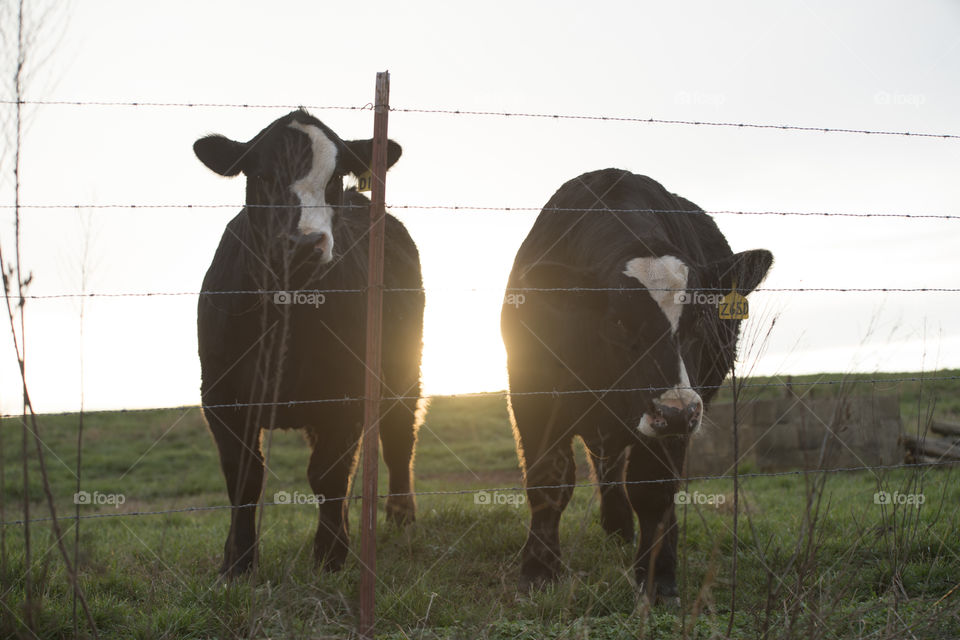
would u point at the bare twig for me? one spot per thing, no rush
(29, 423)
(736, 495)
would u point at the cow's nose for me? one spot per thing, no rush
(318, 242)
(673, 420)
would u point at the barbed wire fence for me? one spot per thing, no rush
(16, 296)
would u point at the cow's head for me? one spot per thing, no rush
(294, 171)
(654, 337)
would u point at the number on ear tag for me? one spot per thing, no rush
(734, 306)
(365, 181)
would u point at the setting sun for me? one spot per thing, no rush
(462, 351)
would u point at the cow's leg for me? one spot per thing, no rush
(398, 434)
(546, 466)
(654, 504)
(331, 466)
(241, 459)
(616, 515)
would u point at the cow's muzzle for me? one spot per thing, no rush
(669, 417)
(313, 246)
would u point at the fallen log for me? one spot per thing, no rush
(934, 447)
(950, 429)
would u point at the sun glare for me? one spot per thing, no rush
(462, 349)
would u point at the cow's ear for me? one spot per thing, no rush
(744, 270)
(566, 287)
(359, 155)
(221, 155)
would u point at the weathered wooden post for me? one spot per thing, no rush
(371, 407)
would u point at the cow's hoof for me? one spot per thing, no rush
(232, 569)
(533, 583)
(667, 590)
(330, 554)
(666, 593)
(331, 563)
(671, 603)
(401, 510)
(536, 576)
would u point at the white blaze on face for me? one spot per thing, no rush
(666, 279)
(316, 216)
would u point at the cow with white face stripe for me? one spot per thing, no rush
(609, 324)
(281, 327)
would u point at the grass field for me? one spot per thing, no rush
(817, 557)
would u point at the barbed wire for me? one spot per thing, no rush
(273, 292)
(457, 208)
(703, 123)
(828, 214)
(484, 113)
(187, 105)
(504, 392)
(455, 492)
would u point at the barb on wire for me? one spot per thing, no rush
(553, 392)
(457, 492)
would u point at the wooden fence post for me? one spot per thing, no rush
(372, 389)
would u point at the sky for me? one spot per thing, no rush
(869, 65)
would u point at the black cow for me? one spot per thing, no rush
(291, 356)
(633, 331)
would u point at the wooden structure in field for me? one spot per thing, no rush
(793, 433)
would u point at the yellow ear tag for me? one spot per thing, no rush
(365, 181)
(734, 306)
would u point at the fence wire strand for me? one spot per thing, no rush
(486, 208)
(273, 292)
(488, 113)
(557, 393)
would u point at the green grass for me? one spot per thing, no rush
(918, 399)
(869, 571)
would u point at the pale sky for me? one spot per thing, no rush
(862, 65)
